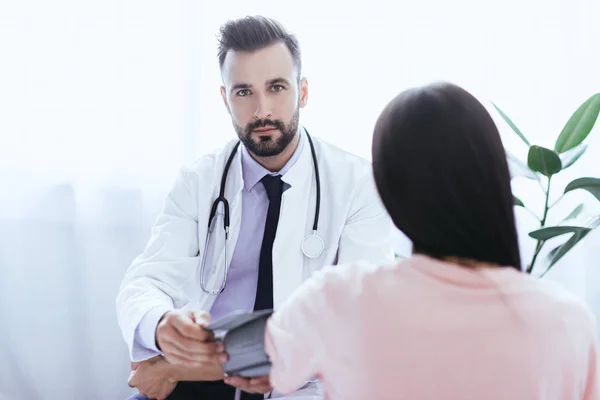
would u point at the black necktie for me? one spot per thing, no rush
(264, 290)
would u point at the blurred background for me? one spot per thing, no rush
(101, 102)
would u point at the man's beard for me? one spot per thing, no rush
(266, 146)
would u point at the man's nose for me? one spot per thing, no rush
(263, 108)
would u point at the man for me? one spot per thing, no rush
(273, 203)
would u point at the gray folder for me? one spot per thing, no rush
(243, 336)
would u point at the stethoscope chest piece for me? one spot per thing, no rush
(312, 245)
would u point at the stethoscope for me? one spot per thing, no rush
(312, 245)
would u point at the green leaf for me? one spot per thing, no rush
(511, 124)
(579, 125)
(573, 240)
(558, 252)
(519, 168)
(568, 158)
(595, 223)
(574, 213)
(546, 161)
(553, 252)
(553, 231)
(592, 185)
(517, 202)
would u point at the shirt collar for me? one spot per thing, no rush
(253, 172)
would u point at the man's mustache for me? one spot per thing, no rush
(264, 123)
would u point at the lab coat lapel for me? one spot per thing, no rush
(296, 211)
(233, 194)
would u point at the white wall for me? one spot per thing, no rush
(101, 101)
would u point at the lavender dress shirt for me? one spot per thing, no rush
(242, 278)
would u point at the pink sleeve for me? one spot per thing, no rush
(591, 389)
(293, 338)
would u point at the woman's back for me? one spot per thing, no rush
(426, 329)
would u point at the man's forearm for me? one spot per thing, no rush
(207, 372)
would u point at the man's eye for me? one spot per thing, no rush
(277, 88)
(243, 92)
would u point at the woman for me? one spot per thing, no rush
(459, 320)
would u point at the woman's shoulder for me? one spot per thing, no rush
(558, 300)
(351, 271)
(354, 277)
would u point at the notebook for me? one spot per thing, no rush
(243, 336)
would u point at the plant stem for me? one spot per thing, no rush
(538, 247)
(544, 273)
(557, 200)
(543, 188)
(540, 243)
(532, 214)
(546, 208)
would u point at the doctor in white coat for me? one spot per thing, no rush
(287, 204)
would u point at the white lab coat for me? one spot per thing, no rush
(353, 224)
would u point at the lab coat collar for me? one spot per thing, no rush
(301, 168)
(297, 202)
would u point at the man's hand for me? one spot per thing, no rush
(181, 337)
(252, 385)
(207, 372)
(260, 385)
(151, 378)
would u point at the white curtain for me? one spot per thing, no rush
(102, 101)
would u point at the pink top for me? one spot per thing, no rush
(426, 329)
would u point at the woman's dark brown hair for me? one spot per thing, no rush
(441, 171)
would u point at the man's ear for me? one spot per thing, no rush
(224, 96)
(303, 92)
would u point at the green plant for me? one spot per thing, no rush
(543, 163)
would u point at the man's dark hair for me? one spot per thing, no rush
(253, 33)
(441, 171)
